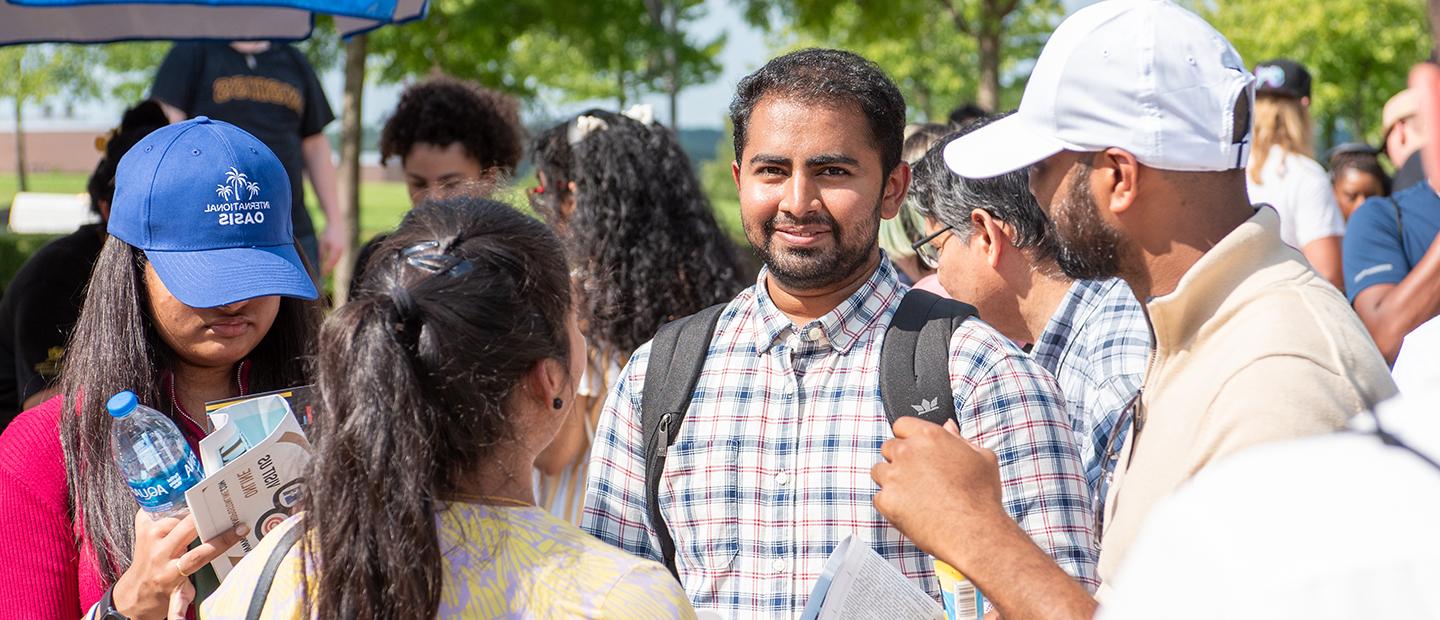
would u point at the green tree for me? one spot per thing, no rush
(35, 73)
(1359, 52)
(940, 52)
(131, 67)
(613, 49)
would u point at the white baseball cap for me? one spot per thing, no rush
(1145, 76)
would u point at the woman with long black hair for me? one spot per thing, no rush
(646, 250)
(198, 295)
(439, 384)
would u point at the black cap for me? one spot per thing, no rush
(1281, 77)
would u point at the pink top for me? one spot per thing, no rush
(41, 572)
(931, 283)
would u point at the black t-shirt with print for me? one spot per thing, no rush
(274, 95)
(39, 311)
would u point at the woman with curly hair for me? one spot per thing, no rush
(645, 249)
(448, 132)
(449, 135)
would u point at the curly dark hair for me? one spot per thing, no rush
(643, 239)
(830, 78)
(443, 110)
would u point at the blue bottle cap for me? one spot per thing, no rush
(121, 404)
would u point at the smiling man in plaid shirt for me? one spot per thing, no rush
(771, 468)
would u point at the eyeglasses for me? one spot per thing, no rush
(929, 253)
(1128, 422)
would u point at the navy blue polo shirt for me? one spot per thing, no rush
(1381, 245)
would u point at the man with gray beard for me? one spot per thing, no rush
(993, 247)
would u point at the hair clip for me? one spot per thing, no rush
(103, 141)
(642, 112)
(427, 255)
(583, 127)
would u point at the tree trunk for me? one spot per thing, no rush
(988, 97)
(23, 177)
(351, 130)
(672, 61)
(620, 81)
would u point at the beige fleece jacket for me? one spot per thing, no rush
(1252, 346)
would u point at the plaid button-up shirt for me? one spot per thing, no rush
(771, 469)
(1097, 344)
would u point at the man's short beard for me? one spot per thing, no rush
(805, 269)
(1089, 247)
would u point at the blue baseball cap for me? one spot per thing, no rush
(209, 204)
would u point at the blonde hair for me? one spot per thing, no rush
(1283, 121)
(907, 227)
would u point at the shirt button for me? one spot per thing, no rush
(815, 334)
(778, 566)
(782, 478)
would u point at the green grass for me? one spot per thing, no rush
(49, 182)
(382, 203)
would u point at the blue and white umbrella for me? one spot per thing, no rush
(92, 21)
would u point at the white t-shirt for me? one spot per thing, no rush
(1300, 191)
(1418, 365)
(1329, 527)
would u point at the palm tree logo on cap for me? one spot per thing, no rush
(235, 183)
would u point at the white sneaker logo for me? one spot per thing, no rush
(927, 406)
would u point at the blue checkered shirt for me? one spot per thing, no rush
(771, 468)
(1097, 344)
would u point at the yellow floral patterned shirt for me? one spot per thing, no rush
(500, 562)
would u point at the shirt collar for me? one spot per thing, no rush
(1065, 324)
(193, 431)
(842, 326)
(1238, 257)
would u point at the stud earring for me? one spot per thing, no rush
(558, 404)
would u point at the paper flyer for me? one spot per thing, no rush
(254, 461)
(300, 398)
(857, 583)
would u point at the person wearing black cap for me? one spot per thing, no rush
(1283, 174)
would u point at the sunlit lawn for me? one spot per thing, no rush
(382, 205)
(50, 182)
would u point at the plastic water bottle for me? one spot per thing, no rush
(153, 456)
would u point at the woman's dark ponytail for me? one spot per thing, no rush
(461, 302)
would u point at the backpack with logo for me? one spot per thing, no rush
(914, 380)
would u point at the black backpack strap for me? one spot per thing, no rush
(677, 355)
(915, 357)
(272, 565)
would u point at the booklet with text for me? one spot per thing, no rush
(857, 583)
(253, 460)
